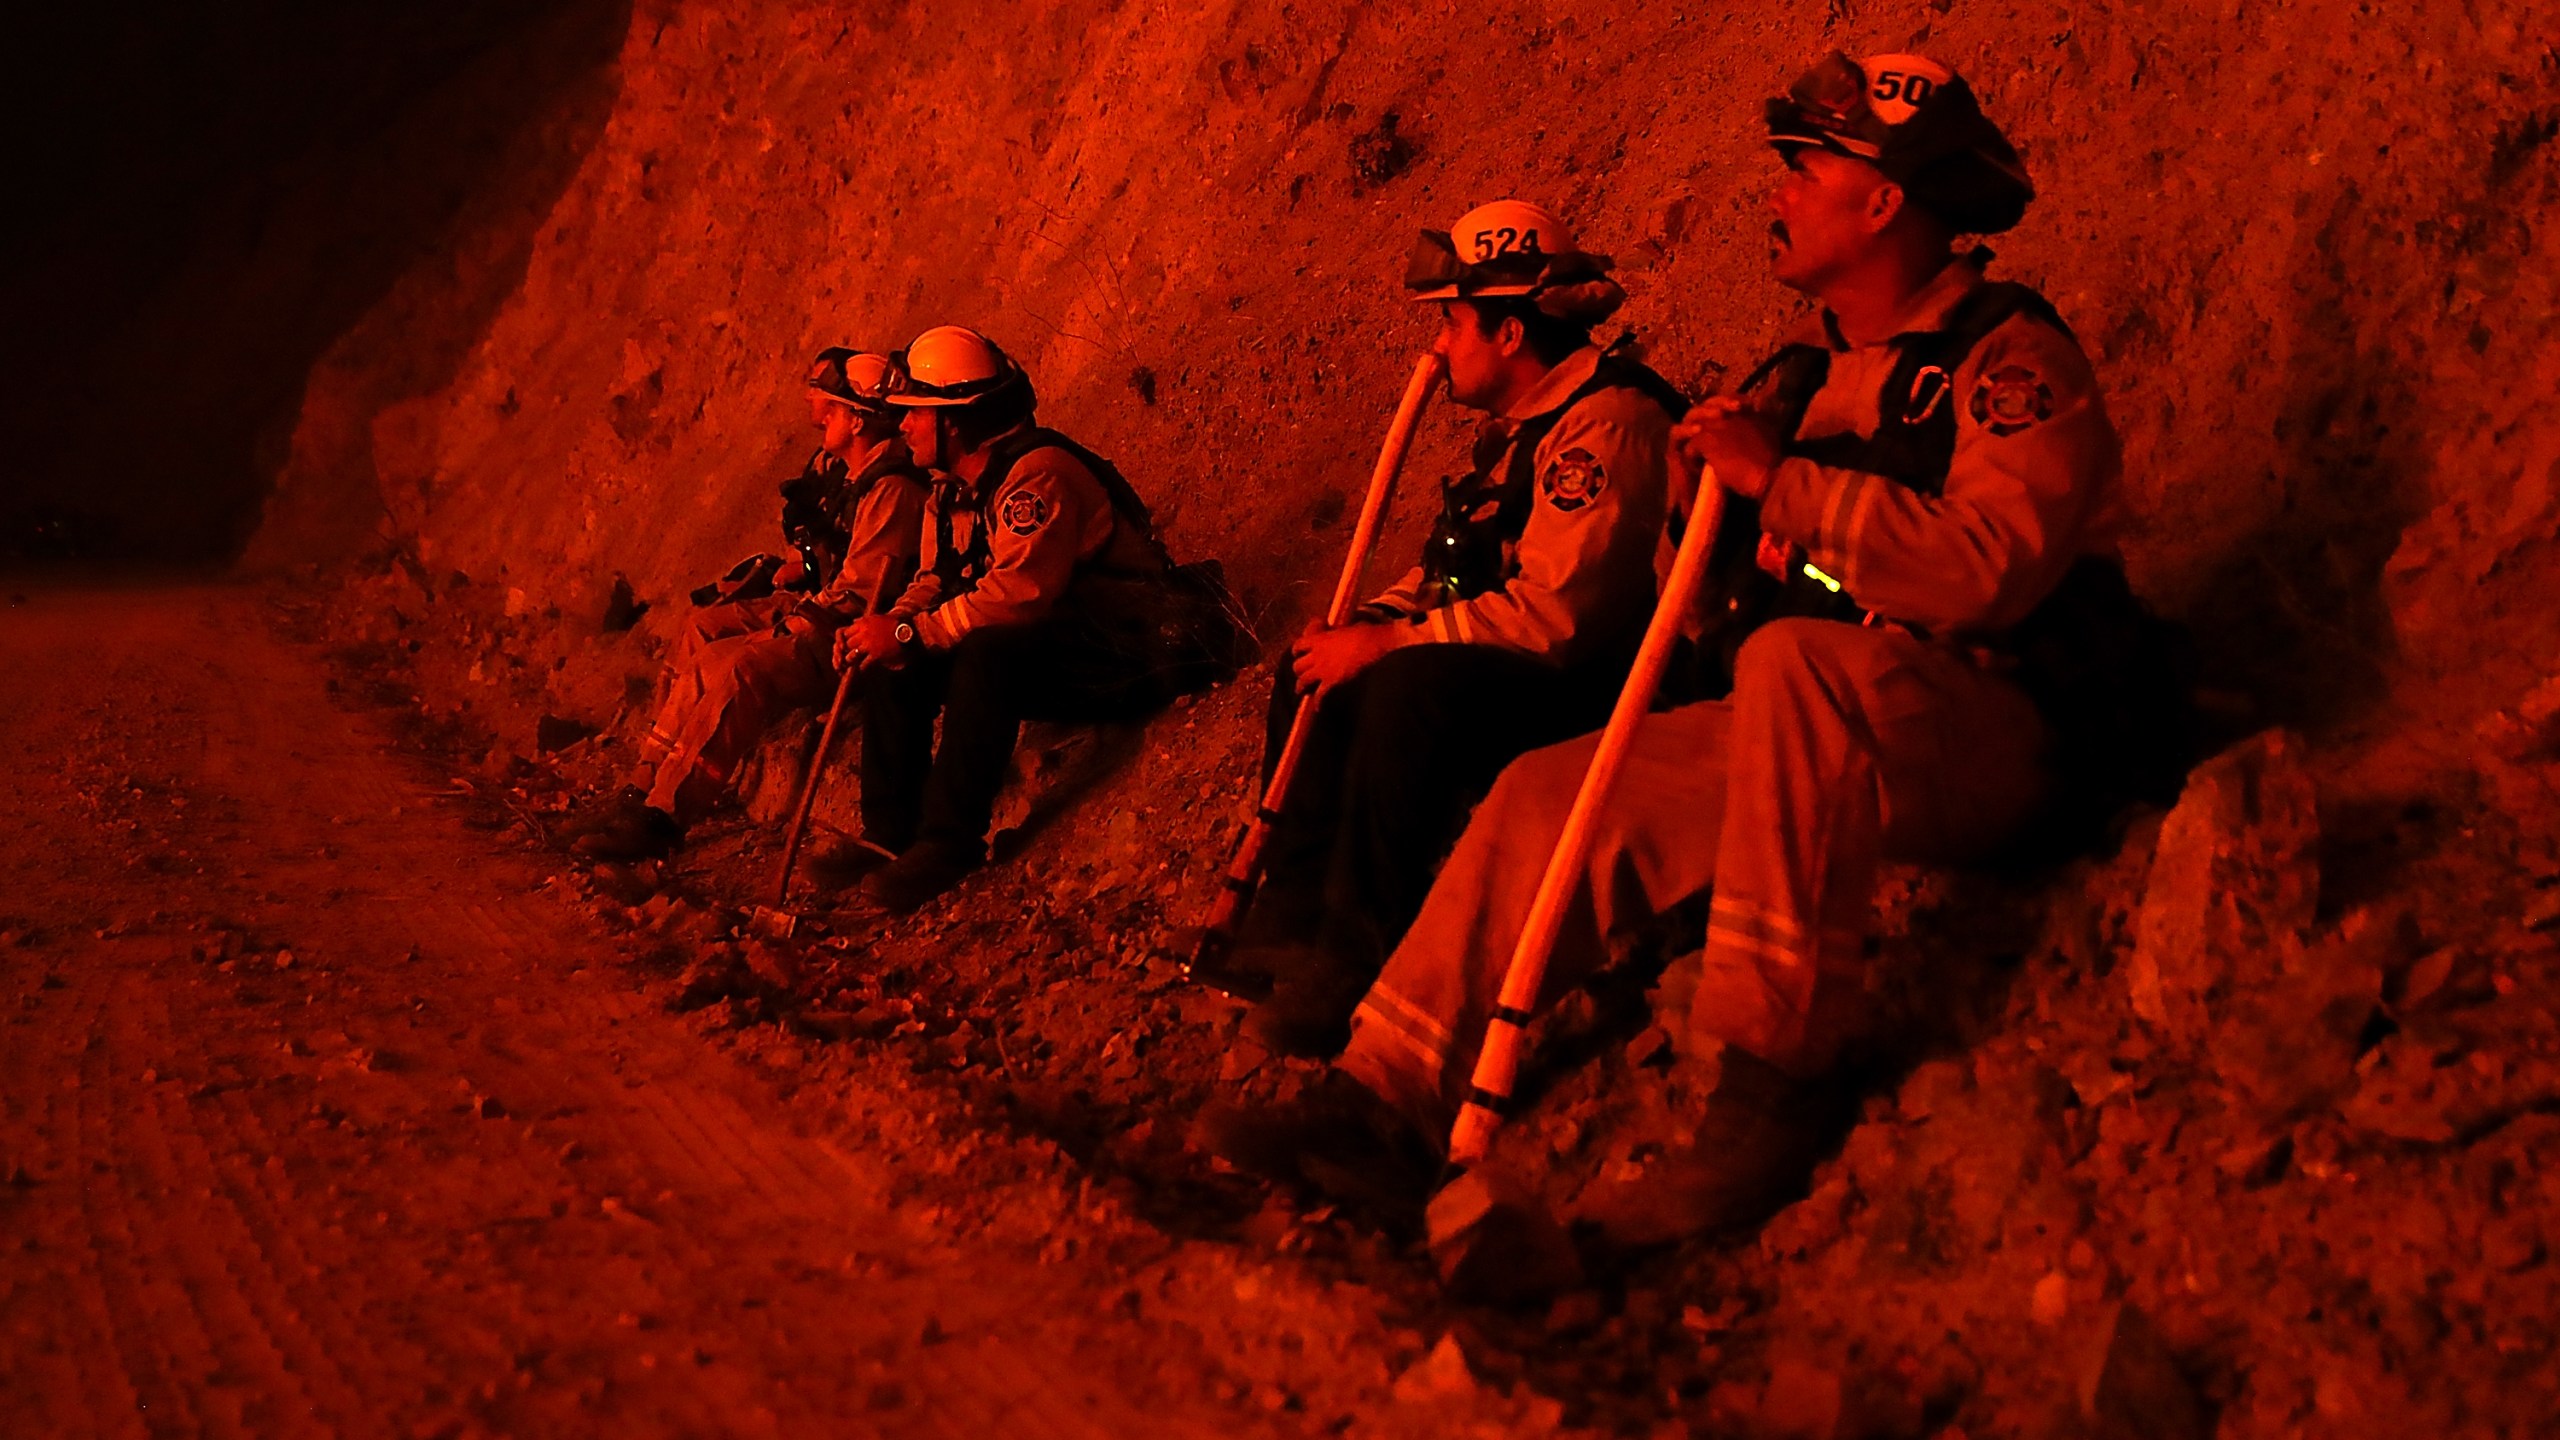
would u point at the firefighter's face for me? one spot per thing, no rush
(1825, 216)
(840, 427)
(921, 427)
(1479, 364)
(821, 405)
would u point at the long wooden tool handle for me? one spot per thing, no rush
(809, 787)
(1498, 1063)
(1245, 871)
(1382, 483)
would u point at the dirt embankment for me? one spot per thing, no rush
(2308, 248)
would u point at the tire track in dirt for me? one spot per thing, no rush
(699, 1132)
(156, 1333)
(694, 1134)
(203, 1243)
(101, 1369)
(492, 1189)
(275, 1331)
(255, 1230)
(691, 1131)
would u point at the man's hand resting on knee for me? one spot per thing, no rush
(1325, 657)
(868, 642)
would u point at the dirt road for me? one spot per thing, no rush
(321, 1112)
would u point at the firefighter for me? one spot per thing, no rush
(1930, 471)
(1512, 632)
(1041, 594)
(744, 661)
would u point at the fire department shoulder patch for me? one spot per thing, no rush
(1022, 512)
(2010, 399)
(1573, 479)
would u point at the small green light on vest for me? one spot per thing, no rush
(1825, 581)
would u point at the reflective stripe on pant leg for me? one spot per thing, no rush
(746, 683)
(684, 688)
(1415, 1037)
(1801, 829)
(1849, 742)
(1442, 979)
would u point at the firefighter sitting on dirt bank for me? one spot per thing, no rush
(1042, 594)
(1933, 444)
(753, 653)
(1513, 631)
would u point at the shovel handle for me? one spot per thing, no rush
(1498, 1062)
(1244, 872)
(1382, 482)
(809, 788)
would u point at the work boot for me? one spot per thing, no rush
(627, 828)
(1243, 971)
(842, 862)
(621, 884)
(1335, 1136)
(587, 818)
(1748, 1152)
(1308, 1013)
(927, 869)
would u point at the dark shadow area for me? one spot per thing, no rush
(2295, 616)
(1067, 764)
(209, 196)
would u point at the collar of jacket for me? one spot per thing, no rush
(1924, 312)
(1562, 381)
(892, 460)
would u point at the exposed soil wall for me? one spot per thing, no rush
(2308, 246)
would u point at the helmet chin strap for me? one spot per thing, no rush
(946, 445)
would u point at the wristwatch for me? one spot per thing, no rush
(905, 633)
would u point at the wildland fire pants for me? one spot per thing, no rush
(1840, 746)
(729, 680)
(1062, 669)
(1394, 759)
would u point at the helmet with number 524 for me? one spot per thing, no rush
(1513, 249)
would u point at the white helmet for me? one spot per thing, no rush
(950, 365)
(855, 379)
(1507, 248)
(1919, 123)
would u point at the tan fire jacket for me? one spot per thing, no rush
(885, 534)
(1578, 579)
(1050, 519)
(2032, 486)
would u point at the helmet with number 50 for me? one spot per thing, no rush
(1919, 123)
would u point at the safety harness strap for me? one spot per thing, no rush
(960, 567)
(1464, 558)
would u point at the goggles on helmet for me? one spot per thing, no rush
(902, 381)
(1920, 124)
(1828, 107)
(832, 375)
(1437, 272)
(826, 374)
